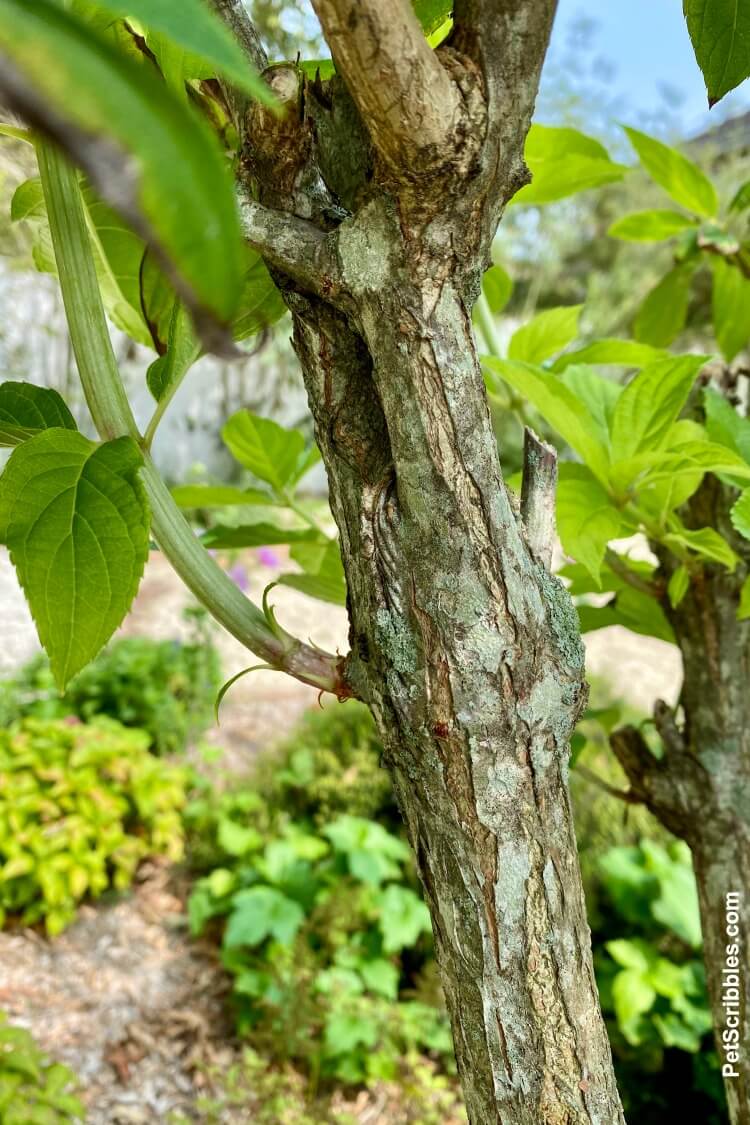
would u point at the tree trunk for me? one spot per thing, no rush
(465, 648)
(474, 706)
(700, 789)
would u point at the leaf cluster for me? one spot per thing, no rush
(320, 920)
(164, 688)
(34, 1090)
(81, 806)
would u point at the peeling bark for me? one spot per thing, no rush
(465, 647)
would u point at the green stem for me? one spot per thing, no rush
(486, 323)
(161, 408)
(493, 343)
(113, 417)
(298, 510)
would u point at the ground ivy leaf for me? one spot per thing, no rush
(26, 409)
(75, 520)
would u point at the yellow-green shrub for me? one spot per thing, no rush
(80, 806)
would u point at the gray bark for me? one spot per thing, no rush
(465, 647)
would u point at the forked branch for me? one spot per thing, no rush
(295, 247)
(407, 100)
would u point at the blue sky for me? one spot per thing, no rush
(647, 43)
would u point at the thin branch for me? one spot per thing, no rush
(237, 18)
(617, 564)
(626, 795)
(294, 247)
(538, 496)
(407, 99)
(507, 40)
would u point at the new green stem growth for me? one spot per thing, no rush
(113, 417)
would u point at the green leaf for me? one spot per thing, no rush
(564, 162)
(743, 611)
(674, 1033)
(28, 202)
(730, 308)
(678, 585)
(631, 954)
(497, 286)
(118, 254)
(177, 190)
(704, 542)
(259, 913)
(677, 905)
(662, 314)
(403, 917)
(381, 977)
(257, 535)
(741, 198)
(118, 257)
(650, 404)
(373, 854)
(632, 996)
(549, 332)
(432, 14)
(631, 609)
(75, 519)
(25, 410)
(586, 517)
(650, 226)
(599, 395)
(617, 353)
(724, 425)
(557, 404)
(236, 839)
(345, 1031)
(167, 372)
(191, 25)
(269, 451)
(261, 303)
(324, 574)
(740, 514)
(680, 178)
(219, 496)
(720, 33)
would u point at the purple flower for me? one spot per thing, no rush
(267, 557)
(238, 574)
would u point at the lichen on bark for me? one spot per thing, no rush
(464, 646)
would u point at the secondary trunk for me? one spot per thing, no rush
(700, 789)
(715, 699)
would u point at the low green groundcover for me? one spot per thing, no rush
(80, 806)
